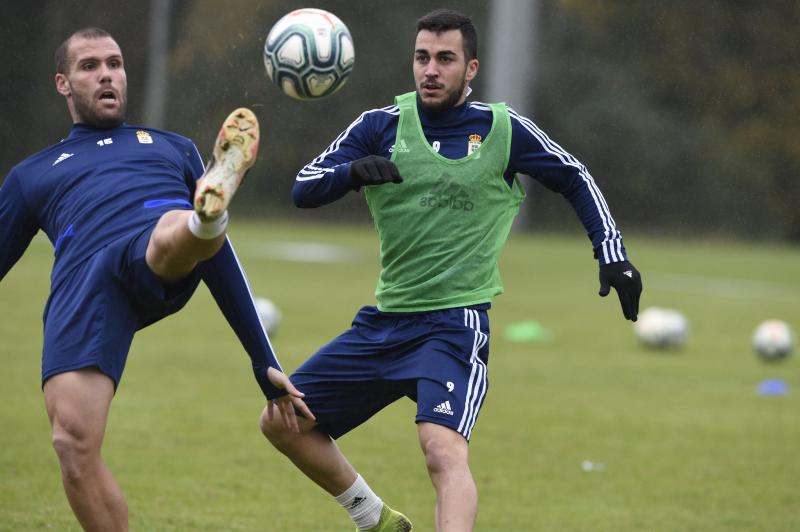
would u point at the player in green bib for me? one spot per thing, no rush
(439, 174)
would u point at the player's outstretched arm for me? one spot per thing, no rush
(286, 405)
(627, 282)
(330, 175)
(533, 153)
(228, 285)
(19, 225)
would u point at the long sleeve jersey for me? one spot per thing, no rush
(98, 185)
(454, 133)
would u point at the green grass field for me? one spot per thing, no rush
(685, 441)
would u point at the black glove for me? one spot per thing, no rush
(374, 170)
(628, 283)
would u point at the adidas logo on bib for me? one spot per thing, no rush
(400, 147)
(447, 194)
(444, 408)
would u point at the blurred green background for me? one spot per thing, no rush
(684, 112)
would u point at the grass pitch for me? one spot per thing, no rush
(684, 440)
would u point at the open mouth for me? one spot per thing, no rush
(108, 96)
(430, 89)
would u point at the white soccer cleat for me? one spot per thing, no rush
(234, 153)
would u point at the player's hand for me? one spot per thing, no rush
(287, 403)
(627, 282)
(374, 170)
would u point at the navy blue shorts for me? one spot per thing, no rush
(438, 359)
(92, 314)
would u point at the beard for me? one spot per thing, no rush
(90, 115)
(450, 99)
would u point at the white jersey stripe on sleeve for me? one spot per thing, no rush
(392, 110)
(199, 157)
(569, 160)
(252, 301)
(611, 234)
(313, 172)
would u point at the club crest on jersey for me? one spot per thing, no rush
(473, 143)
(144, 137)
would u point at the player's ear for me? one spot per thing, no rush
(62, 85)
(472, 69)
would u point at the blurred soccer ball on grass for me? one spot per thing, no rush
(269, 314)
(773, 340)
(661, 328)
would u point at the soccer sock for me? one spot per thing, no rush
(362, 504)
(210, 229)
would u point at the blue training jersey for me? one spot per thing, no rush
(454, 133)
(98, 185)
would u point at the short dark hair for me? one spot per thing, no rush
(62, 54)
(440, 20)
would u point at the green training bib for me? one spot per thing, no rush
(442, 229)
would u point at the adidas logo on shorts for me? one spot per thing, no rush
(444, 408)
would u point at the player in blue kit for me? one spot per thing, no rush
(136, 222)
(439, 176)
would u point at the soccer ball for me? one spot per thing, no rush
(309, 54)
(661, 328)
(773, 340)
(269, 314)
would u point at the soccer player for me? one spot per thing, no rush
(130, 248)
(438, 173)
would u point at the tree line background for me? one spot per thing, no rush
(686, 113)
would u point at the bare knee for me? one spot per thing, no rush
(442, 456)
(265, 424)
(162, 253)
(159, 244)
(157, 253)
(77, 404)
(76, 451)
(276, 432)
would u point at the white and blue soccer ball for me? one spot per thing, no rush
(269, 314)
(309, 54)
(773, 340)
(662, 328)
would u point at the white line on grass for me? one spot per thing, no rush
(303, 252)
(722, 286)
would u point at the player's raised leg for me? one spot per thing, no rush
(77, 404)
(183, 238)
(446, 453)
(234, 153)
